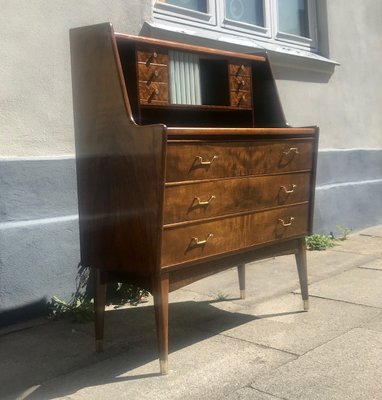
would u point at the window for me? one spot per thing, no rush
(292, 22)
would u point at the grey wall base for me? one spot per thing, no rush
(39, 241)
(349, 190)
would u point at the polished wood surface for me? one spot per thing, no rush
(208, 160)
(203, 239)
(201, 200)
(172, 193)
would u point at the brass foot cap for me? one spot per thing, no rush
(242, 294)
(163, 367)
(306, 305)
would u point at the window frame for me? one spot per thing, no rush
(215, 20)
(308, 42)
(177, 13)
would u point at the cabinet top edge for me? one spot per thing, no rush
(239, 131)
(188, 47)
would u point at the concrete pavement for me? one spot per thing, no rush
(221, 347)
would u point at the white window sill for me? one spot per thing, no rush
(280, 54)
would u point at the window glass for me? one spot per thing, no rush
(196, 5)
(247, 11)
(293, 17)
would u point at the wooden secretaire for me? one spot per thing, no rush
(185, 166)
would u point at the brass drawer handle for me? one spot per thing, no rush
(205, 163)
(240, 69)
(155, 92)
(242, 99)
(154, 75)
(240, 84)
(291, 150)
(289, 191)
(204, 203)
(283, 223)
(196, 242)
(152, 58)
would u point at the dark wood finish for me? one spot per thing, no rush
(203, 239)
(207, 199)
(236, 158)
(225, 183)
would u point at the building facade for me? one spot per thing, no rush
(325, 59)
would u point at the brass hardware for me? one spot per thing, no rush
(241, 69)
(154, 75)
(291, 219)
(305, 304)
(155, 92)
(196, 242)
(289, 191)
(242, 98)
(205, 163)
(153, 56)
(204, 203)
(291, 150)
(163, 364)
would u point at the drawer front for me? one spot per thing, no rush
(237, 83)
(239, 69)
(195, 161)
(153, 56)
(152, 73)
(153, 93)
(229, 196)
(241, 99)
(206, 239)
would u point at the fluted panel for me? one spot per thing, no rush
(184, 78)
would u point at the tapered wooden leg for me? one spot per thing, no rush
(99, 308)
(241, 273)
(302, 272)
(161, 317)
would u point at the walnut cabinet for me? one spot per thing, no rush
(185, 166)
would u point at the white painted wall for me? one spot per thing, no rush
(35, 90)
(348, 107)
(35, 96)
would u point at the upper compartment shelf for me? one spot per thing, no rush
(184, 85)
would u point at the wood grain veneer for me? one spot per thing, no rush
(171, 193)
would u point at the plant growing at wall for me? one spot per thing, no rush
(319, 242)
(344, 232)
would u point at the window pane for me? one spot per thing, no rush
(248, 11)
(293, 17)
(197, 5)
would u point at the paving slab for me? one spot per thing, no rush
(249, 393)
(374, 264)
(205, 369)
(374, 324)
(281, 324)
(30, 356)
(347, 368)
(375, 231)
(361, 244)
(358, 286)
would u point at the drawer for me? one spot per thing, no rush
(195, 161)
(153, 93)
(237, 83)
(191, 242)
(241, 99)
(152, 57)
(152, 73)
(239, 69)
(229, 196)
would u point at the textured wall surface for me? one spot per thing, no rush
(36, 97)
(39, 246)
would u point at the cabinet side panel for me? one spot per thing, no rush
(120, 166)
